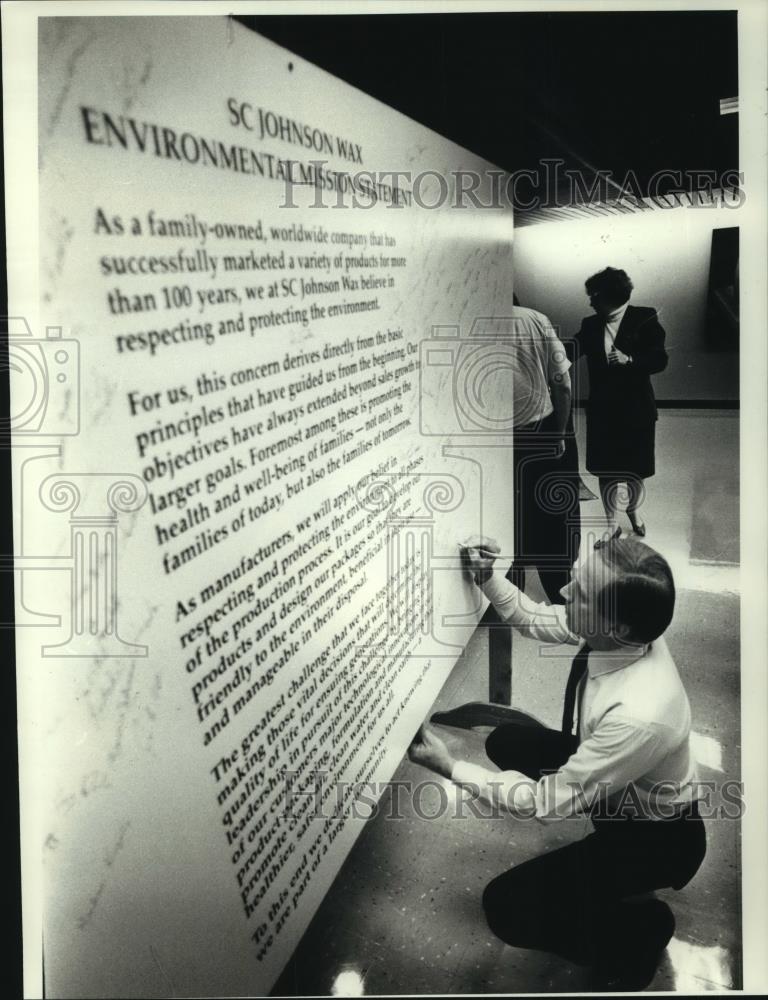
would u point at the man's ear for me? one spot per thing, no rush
(623, 634)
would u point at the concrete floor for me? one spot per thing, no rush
(404, 913)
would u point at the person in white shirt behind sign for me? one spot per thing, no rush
(628, 766)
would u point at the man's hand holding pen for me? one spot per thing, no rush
(478, 555)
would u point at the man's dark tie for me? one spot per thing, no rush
(578, 669)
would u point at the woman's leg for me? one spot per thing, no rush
(634, 496)
(609, 488)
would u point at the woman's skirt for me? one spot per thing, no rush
(617, 451)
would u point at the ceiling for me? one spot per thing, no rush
(601, 91)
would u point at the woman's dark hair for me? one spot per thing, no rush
(612, 285)
(642, 594)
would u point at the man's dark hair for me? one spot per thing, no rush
(642, 594)
(611, 284)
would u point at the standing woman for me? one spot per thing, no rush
(624, 346)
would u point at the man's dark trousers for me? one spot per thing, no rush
(546, 512)
(569, 901)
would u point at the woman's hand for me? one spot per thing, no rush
(617, 357)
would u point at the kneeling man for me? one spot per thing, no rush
(628, 765)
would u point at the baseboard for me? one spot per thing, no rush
(686, 404)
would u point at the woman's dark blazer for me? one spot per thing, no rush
(623, 393)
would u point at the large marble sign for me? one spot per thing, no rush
(255, 410)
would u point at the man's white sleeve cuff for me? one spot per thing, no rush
(511, 790)
(498, 589)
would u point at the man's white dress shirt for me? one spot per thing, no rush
(635, 726)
